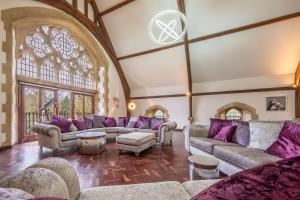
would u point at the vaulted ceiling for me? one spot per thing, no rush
(228, 39)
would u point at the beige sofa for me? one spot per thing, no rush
(56, 177)
(50, 136)
(234, 157)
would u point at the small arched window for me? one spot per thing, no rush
(233, 114)
(159, 114)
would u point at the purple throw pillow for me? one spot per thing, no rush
(61, 123)
(242, 133)
(88, 122)
(110, 122)
(126, 120)
(143, 122)
(79, 124)
(216, 125)
(98, 121)
(156, 122)
(120, 122)
(225, 133)
(275, 181)
(287, 144)
(131, 124)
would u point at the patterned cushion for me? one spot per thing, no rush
(263, 134)
(156, 122)
(110, 122)
(98, 121)
(61, 123)
(81, 125)
(216, 125)
(276, 181)
(242, 133)
(288, 143)
(225, 133)
(143, 122)
(88, 122)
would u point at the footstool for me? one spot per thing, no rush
(135, 142)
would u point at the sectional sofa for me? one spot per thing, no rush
(50, 136)
(235, 156)
(56, 177)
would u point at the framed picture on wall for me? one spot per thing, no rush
(276, 103)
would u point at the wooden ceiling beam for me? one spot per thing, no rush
(115, 7)
(181, 8)
(99, 32)
(219, 34)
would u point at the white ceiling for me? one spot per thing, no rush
(157, 69)
(267, 50)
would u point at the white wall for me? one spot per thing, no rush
(177, 108)
(205, 107)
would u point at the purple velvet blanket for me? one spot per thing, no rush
(277, 181)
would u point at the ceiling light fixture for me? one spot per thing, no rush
(167, 27)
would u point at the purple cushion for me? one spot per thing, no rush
(225, 133)
(216, 125)
(242, 133)
(110, 122)
(98, 121)
(79, 124)
(275, 181)
(61, 123)
(287, 144)
(143, 122)
(131, 124)
(156, 122)
(5, 195)
(88, 122)
(122, 121)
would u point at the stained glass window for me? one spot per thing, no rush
(233, 113)
(26, 66)
(51, 53)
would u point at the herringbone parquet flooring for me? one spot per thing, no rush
(109, 168)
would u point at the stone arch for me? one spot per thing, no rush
(152, 109)
(244, 108)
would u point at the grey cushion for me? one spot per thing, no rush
(242, 133)
(244, 157)
(98, 121)
(263, 134)
(207, 144)
(73, 128)
(126, 130)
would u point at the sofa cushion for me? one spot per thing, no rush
(263, 134)
(79, 124)
(132, 122)
(225, 133)
(98, 121)
(244, 157)
(147, 131)
(216, 125)
(61, 123)
(70, 136)
(288, 143)
(88, 122)
(110, 122)
(194, 187)
(143, 122)
(73, 128)
(207, 144)
(126, 130)
(135, 138)
(242, 133)
(156, 122)
(147, 191)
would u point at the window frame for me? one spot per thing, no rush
(240, 111)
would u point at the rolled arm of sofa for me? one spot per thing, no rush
(165, 133)
(194, 131)
(48, 135)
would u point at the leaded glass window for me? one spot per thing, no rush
(51, 53)
(233, 113)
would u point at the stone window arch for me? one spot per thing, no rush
(157, 111)
(237, 110)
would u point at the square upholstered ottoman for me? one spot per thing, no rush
(135, 142)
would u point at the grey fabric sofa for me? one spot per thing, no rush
(50, 136)
(235, 157)
(55, 177)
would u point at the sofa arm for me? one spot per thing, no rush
(165, 132)
(194, 131)
(48, 135)
(38, 182)
(168, 126)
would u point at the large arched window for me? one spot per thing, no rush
(52, 54)
(233, 113)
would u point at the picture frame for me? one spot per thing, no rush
(276, 103)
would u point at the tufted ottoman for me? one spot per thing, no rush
(135, 142)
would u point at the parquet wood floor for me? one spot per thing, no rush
(109, 168)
